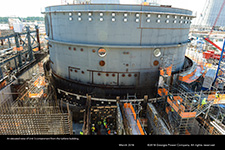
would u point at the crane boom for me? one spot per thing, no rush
(217, 18)
(213, 44)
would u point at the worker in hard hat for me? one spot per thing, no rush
(99, 124)
(93, 129)
(81, 133)
(105, 123)
(217, 95)
(172, 110)
(170, 96)
(203, 102)
(108, 131)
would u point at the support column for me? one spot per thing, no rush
(30, 50)
(38, 38)
(17, 48)
(1, 74)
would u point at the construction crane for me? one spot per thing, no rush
(221, 63)
(207, 39)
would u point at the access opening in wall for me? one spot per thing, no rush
(157, 52)
(101, 52)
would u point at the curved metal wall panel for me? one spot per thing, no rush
(114, 45)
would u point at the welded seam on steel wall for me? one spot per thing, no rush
(119, 46)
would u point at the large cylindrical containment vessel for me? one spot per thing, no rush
(114, 50)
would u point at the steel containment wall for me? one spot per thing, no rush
(109, 50)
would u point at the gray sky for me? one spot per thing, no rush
(24, 8)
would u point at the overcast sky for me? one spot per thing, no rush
(24, 8)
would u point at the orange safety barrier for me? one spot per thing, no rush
(180, 109)
(172, 104)
(162, 91)
(3, 84)
(132, 109)
(128, 105)
(187, 133)
(193, 76)
(184, 78)
(140, 128)
(125, 105)
(18, 48)
(220, 99)
(168, 109)
(188, 114)
(178, 98)
(169, 70)
(161, 72)
(40, 80)
(36, 95)
(211, 97)
(35, 49)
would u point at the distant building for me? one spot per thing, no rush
(4, 26)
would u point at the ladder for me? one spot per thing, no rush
(137, 105)
(186, 125)
(131, 96)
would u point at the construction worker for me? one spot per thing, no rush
(93, 128)
(81, 133)
(203, 102)
(172, 110)
(105, 123)
(108, 131)
(170, 96)
(99, 122)
(217, 95)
